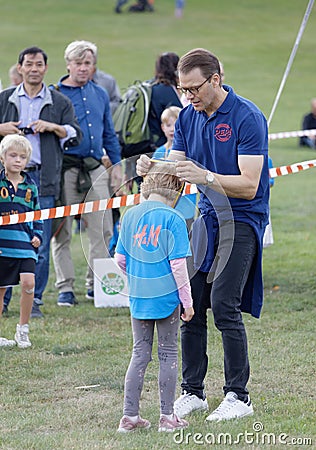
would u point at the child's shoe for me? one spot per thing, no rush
(127, 424)
(22, 336)
(6, 342)
(173, 424)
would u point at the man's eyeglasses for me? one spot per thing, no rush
(195, 89)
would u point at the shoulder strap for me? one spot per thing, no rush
(54, 87)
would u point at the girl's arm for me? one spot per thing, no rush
(120, 261)
(180, 272)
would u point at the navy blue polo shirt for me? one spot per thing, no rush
(237, 128)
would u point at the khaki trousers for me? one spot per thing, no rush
(99, 228)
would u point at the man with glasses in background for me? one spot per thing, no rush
(47, 119)
(221, 145)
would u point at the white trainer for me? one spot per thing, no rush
(22, 336)
(188, 403)
(6, 342)
(231, 408)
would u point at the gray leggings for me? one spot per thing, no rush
(143, 333)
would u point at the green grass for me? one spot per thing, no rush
(40, 405)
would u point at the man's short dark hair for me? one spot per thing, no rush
(31, 51)
(199, 58)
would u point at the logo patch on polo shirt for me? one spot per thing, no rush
(4, 192)
(223, 132)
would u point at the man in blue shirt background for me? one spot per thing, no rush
(92, 106)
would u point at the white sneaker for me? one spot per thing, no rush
(6, 342)
(22, 336)
(231, 408)
(188, 403)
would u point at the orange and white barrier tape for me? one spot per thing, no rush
(71, 210)
(290, 134)
(81, 208)
(293, 168)
(125, 200)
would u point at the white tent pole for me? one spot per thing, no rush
(290, 62)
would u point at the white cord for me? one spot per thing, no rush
(290, 62)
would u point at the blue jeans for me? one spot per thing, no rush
(180, 4)
(308, 142)
(42, 265)
(224, 297)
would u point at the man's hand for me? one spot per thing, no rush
(116, 177)
(9, 128)
(143, 164)
(106, 161)
(42, 126)
(189, 172)
(243, 185)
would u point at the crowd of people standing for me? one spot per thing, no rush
(74, 118)
(219, 142)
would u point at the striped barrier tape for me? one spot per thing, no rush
(289, 134)
(125, 200)
(81, 208)
(293, 168)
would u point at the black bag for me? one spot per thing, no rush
(91, 163)
(84, 183)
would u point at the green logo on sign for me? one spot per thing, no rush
(112, 283)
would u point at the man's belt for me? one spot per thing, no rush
(33, 168)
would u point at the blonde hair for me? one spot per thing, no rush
(78, 50)
(16, 142)
(168, 113)
(15, 76)
(161, 179)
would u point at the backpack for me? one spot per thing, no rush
(131, 119)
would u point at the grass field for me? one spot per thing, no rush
(39, 403)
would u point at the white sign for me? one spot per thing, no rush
(110, 284)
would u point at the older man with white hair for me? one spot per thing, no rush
(92, 106)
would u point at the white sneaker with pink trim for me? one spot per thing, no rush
(126, 424)
(169, 425)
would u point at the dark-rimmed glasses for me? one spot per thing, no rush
(195, 89)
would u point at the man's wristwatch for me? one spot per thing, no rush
(209, 178)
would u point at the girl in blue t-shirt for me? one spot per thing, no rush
(152, 248)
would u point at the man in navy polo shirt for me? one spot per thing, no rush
(221, 144)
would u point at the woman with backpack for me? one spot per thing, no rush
(140, 132)
(164, 94)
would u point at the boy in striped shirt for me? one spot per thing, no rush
(18, 242)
